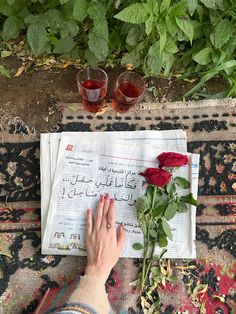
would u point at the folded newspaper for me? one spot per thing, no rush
(77, 167)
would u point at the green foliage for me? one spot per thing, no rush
(196, 38)
(171, 211)
(4, 71)
(182, 182)
(137, 246)
(36, 35)
(166, 228)
(136, 13)
(80, 10)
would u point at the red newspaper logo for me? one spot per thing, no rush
(69, 147)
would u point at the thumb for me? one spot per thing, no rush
(121, 236)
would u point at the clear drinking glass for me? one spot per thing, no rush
(129, 89)
(92, 84)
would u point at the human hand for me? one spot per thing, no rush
(103, 242)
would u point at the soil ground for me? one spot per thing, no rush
(32, 96)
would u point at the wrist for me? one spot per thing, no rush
(93, 271)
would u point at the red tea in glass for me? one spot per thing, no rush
(92, 83)
(128, 91)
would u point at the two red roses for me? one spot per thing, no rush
(160, 177)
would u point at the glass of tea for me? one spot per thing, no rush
(129, 89)
(92, 84)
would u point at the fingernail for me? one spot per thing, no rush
(122, 226)
(88, 211)
(101, 197)
(107, 196)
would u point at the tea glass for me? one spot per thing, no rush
(92, 84)
(129, 89)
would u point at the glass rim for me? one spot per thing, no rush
(91, 68)
(138, 75)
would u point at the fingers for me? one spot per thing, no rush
(105, 214)
(106, 207)
(89, 225)
(111, 215)
(99, 214)
(121, 236)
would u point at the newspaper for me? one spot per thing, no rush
(86, 168)
(174, 140)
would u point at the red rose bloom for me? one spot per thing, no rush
(156, 176)
(172, 160)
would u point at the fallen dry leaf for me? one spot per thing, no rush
(65, 65)
(101, 112)
(5, 53)
(19, 71)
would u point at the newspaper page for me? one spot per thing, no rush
(45, 177)
(173, 140)
(87, 169)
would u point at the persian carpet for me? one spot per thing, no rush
(205, 285)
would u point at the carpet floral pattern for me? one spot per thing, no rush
(205, 285)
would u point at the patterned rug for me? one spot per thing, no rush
(206, 285)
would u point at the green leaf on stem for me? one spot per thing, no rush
(5, 8)
(142, 204)
(186, 26)
(64, 45)
(80, 10)
(170, 188)
(133, 57)
(189, 199)
(98, 45)
(156, 271)
(153, 233)
(192, 6)
(144, 227)
(136, 13)
(134, 35)
(170, 46)
(149, 25)
(137, 246)
(162, 240)
(91, 58)
(171, 211)
(36, 35)
(166, 228)
(159, 208)
(222, 33)
(11, 28)
(211, 4)
(164, 5)
(203, 56)
(182, 183)
(182, 207)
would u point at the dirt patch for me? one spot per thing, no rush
(33, 95)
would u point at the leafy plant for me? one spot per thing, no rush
(193, 38)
